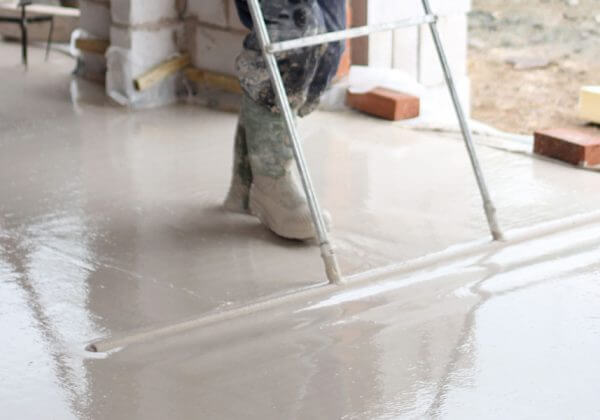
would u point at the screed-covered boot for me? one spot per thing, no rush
(275, 196)
(238, 198)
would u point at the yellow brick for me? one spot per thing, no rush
(589, 104)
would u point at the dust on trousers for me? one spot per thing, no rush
(306, 72)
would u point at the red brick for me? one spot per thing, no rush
(385, 103)
(578, 146)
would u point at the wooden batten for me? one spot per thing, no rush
(161, 72)
(97, 46)
(215, 80)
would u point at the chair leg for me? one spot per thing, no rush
(49, 44)
(24, 41)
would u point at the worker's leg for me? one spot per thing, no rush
(275, 196)
(238, 199)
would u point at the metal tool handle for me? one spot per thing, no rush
(327, 251)
(490, 209)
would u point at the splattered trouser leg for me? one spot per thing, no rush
(306, 72)
(262, 145)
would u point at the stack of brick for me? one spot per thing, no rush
(95, 21)
(144, 34)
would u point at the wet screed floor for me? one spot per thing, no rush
(110, 223)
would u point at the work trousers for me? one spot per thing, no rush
(306, 72)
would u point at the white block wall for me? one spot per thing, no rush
(148, 32)
(143, 34)
(412, 49)
(215, 35)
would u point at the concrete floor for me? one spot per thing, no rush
(110, 224)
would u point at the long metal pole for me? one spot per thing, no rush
(331, 264)
(357, 32)
(490, 209)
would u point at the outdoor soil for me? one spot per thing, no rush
(528, 60)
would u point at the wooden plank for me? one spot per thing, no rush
(97, 46)
(160, 72)
(215, 80)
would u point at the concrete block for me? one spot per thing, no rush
(445, 7)
(381, 45)
(454, 34)
(412, 49)
(122, 69)
(577, 146)
(150, 47)
(386, 104)
(213, 12)
(380, 11)
(135, 12)
(95, 18)
(589, 104)
(216, 50)
(405, 55)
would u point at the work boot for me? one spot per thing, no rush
(275, 197)
(238, 199)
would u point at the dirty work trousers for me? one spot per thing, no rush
(306, 72)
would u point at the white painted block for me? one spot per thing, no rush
(148, 47)
(120, 87)
(380, 44)
(445, 7)
(405, 54)
(389, 11)
(454, 33)
(139, 12)
(216, 50)
(412, 49)
(95, 18)
(213, 12)
(380, 49)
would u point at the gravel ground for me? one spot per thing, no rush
(528, 59)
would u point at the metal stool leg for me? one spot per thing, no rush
(24, 33)
(24, 41)
(49, 43)
(490, 209)
(327, 252)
